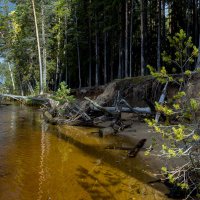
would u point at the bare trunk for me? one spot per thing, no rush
(131, 40)
(58, 58)
(142, 37)
(96, 53)
(90, 52)
(44, 53)
(97, 60)
(105, 57)
(65, 51)
(163, 22)
(126, 41)
(78, 51)
(38, 46)
(159, 36)
(120, 56)
(11, 76)
(120, 44)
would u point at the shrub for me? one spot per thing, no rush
(63, 94)
(180, 140)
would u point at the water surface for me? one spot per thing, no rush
(42, 162)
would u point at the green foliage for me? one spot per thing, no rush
(179, 139)
(161, 76)
(63, 94)
(185, 52)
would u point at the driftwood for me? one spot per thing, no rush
(98, 107)
(161, 101)
(24, 99)
(132, 152)
(113, 110)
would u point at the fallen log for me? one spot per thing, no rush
(133, 153)
(98, 107)
(113, 110)
(24, 98)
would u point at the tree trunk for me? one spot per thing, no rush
(120, 43)
(44, 56)
(97, 60)
(96, 54)
(143, 27)
(90, 51)
(105, 57)
(126, 40)
(159, 35)
(65, 51)
(142, 37)
(131, 39)
(58, 57)
(38, 46)
(78, 51)
(163, 23)
(11, 76)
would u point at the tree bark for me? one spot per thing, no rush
(78, 50)
(126, 39)
(142, 37)
(120, 43)
(65, 51)
(11, 76)
(96, 54)
(44, 53)
(38, 46)
(58, 57)
(163, 23)
(90, 50)
(131, 39)
(159, 35)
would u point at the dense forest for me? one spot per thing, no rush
(88, 42)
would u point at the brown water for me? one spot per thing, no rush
(43, 162)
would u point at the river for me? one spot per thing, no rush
(44, 162)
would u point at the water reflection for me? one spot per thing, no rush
(40, 161)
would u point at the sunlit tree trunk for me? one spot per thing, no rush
(44, 53)
(11, 76)
(38, 46)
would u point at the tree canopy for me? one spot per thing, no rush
(90, 42)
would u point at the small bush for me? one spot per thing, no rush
(63, 94)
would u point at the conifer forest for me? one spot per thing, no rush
(89, 42)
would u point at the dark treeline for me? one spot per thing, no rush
(90, 42)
